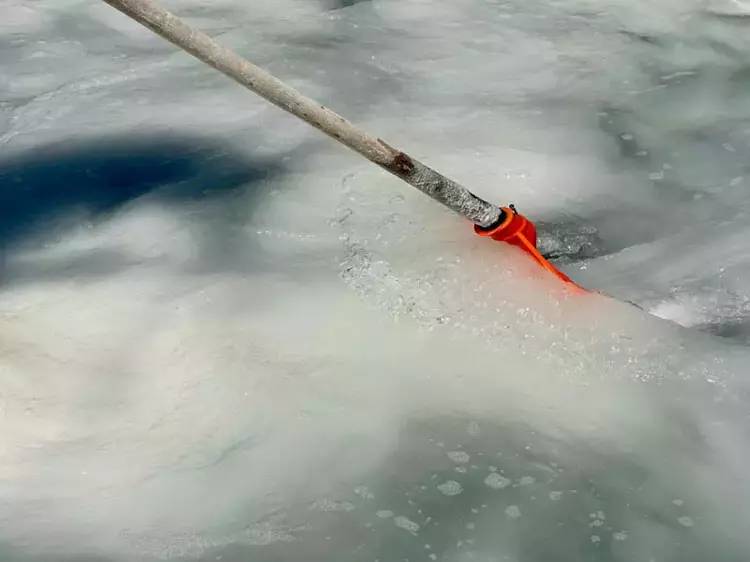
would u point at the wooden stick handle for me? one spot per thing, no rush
(201, 46)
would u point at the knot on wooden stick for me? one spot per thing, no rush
(402, 164)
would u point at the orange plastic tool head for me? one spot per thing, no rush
(517, 230)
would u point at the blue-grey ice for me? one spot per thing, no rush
(224, 337)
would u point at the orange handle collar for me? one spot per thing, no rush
(517, 230)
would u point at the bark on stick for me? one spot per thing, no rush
(201, 46)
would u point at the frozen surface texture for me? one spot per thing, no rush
(224, 338)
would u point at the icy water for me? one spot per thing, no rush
(224, 338)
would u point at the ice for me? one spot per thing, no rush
(364, 493)
(450, 488)
(496, 481)
(459, 457)
(332, 505)
(685, 521)
(224, 337)
(406, 524)
(513, 511)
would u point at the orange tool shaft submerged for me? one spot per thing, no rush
(504, 224)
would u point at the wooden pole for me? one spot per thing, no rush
(201, 46)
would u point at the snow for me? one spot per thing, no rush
(221, 335)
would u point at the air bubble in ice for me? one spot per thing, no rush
(513, 511)
(460, 457)
(450, 488)
(406, 524)
(497, 481)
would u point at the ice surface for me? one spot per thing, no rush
(222, 337)
(513, 511)
(459, 457)
(496, 481)
(450, 488)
